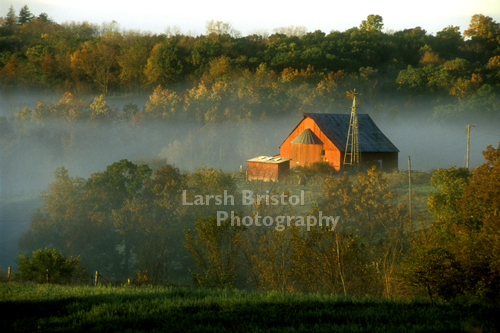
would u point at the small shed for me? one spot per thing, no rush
(268, 168)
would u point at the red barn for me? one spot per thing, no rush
(322, 137)
(268, 168)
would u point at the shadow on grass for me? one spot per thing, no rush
(222, 312)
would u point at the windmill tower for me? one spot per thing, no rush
(352, 156)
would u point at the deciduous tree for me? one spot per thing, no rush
(371, 223)
(216, 249)
(163, 104)
(450, 183)
(372, 23)
(165, 64)
(222, 28)
(100, 111)
(50, 265)
(457, 257)
(485, 36)
(132, 61)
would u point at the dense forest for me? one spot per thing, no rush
(128, 221)
(221, 76)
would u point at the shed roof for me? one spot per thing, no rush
(307, 137)
(336, 127)
(269, 159)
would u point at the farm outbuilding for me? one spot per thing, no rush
(323, 136)
(306, 148)
(268, 168)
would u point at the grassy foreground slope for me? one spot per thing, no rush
(52, 308)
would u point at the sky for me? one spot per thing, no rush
(253, 16)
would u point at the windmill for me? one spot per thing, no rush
(352, 156)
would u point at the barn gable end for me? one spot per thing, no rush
(331, 130)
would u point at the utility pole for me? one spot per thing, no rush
(468, 138)
(468, 141)
(409, 184)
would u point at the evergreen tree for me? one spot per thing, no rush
(24, 15)
(11, 19)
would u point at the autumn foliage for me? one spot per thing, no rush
(128, 219)
(255, 76)
(457, 257)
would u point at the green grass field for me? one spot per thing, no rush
(52, 308)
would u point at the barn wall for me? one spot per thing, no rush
(334, 157)
(283, 170)
(389, 160)
(332, 154)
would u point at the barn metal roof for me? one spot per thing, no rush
(269, 159)
(336, 126)
(307, 137)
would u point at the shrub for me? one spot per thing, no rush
(50, 265)
(3, 276)
(317, 171)
(315, 168)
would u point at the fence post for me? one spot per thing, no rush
(128, 281)
(8, 274)
(96, 278)
(47, 275)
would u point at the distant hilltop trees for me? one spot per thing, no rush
(223, 75)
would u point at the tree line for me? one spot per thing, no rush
(126, 220)
(237, 77)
